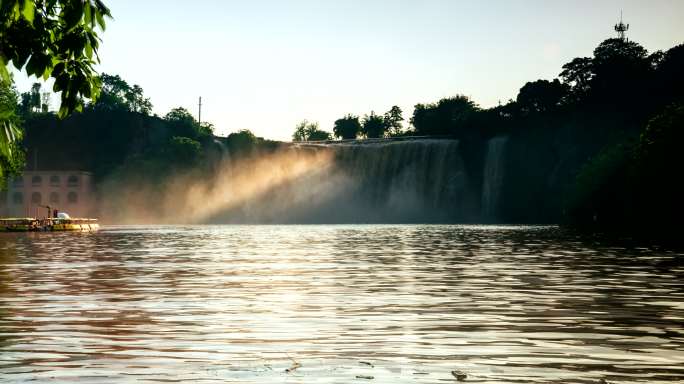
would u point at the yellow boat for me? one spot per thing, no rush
(17, 224)
(83, 225)
(26, 224)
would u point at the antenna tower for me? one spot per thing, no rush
(621, 28)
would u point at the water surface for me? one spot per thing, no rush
(339, 304)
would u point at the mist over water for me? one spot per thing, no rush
(415, 181)
(195, 197)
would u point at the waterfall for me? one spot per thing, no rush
(493, 177)
(410, 181)
(405, 181)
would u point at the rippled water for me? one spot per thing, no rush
(400, 304)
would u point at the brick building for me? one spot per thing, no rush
(67, 191)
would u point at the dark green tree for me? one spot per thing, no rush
(347, 127)
(541, 96)
(449, 116)
(577, 74)
(31, 101)
(307, 131)
(242, 141)
(373, 126)
(11, 154)
(670, 76)
(57, 39)
(183, 151)
(51, 39)
(393, 119)
(117, 94)
(319, 135)
(182, 123)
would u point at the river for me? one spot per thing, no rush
(336, 303)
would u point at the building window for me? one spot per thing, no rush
(18, 182)
(72, 181)
(72, 197)
(36, 198)
(54, 197)
(18, 198)
(54, 180)
(36, 181)
(3, 198)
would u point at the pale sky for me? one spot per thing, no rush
(266, 65)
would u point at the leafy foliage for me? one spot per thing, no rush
(449, 116)
(630, 186)
(393, 119)
(183, 150)
(54, 38)
(541, 96)
(307, 131)
(182, 123)
(11, 155)
(347, 127)
(49, 39)
(242, 141)
(116, 93)
(373, 126)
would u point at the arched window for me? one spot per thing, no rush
(72, 181)
(36, 198)
(18, 182)
(18, 198)
(36, 181)
(72, 197)
(54, 180)
(54, 197)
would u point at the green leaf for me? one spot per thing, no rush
(89, 50)
(100, 20)
(4, 74)
(9, 133)
(63, 111)
(33, 66)
(16, 12)
(29, 11)
(87, 16)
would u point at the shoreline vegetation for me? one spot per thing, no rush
(618, 115)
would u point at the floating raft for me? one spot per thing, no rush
(29, 224)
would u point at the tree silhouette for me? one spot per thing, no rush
(347, 127)
(670, 75)
(306, 131)
(393, 119)
(373, 126)
(182, 123)
(577, 74)
(541, 96)
(449, 116)
(116, 93)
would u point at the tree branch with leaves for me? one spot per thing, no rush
(55, 39)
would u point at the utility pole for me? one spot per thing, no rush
(199, 115)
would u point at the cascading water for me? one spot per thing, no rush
(411, 181)
(420, 180)
(493, 177)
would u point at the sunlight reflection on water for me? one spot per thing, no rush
(403, 304)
